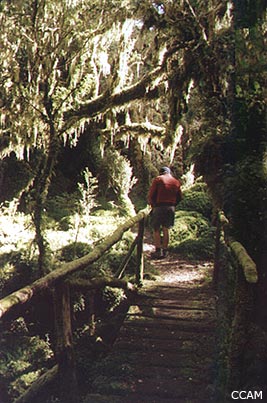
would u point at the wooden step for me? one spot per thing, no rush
(164, 350)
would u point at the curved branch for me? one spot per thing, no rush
(140, 128)
(142, 89)
(148, 87)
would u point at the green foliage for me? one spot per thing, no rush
(117, 176)
(192, 236)
(248, 13)
(74, 250)
(17, 270)
(60, 208)
(198, 199)
(23, 357)
(111, 261)
(55, 64)
(88, 191)
(245, 194)
(112, 297)
(17, 175)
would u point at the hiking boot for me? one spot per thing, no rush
(157, 254)
(164, 253)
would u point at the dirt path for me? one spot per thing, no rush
(164, 352)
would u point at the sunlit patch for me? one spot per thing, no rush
(175, 270)
(182, 275)
(148, 247)
(15, 232)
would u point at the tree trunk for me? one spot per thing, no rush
(39, 236)
(139, 253)
(261, 293)
(40, 387)
(40, 190)
(64, 345)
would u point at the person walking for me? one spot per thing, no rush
(164, 194)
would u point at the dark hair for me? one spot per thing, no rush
(164, 170)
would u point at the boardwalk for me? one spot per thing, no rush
(164, 352)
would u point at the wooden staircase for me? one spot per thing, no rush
(165, 348)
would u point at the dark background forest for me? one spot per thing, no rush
(96, 96)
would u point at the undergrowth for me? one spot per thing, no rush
(193, 235)
(27, 351)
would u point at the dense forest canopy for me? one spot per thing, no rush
(179, 82)
(75, 61)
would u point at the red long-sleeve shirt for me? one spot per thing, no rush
(165, 190)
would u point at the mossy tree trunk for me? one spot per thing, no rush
(64, 345)
(39, 194)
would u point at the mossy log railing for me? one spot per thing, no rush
(238, 251)
(57, 280)
(233, 261)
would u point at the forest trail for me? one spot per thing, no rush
(165, 348)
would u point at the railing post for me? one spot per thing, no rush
(220, 239)
(139, 252)
(64, 345)
(91, 304)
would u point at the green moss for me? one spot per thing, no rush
(197, 199)
(60, 208)
(74, 250)
(192, 236)
(23, 358)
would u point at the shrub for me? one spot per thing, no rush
(197, 199)
(21, 355)
(17, 270)
(192, 236)
(74, 250)
(61, 207)
(112, 297)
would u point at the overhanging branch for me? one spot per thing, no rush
(140, 128)
(149, 87)
(142, 89)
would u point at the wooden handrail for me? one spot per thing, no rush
(24, 294)
(235, 276)
(246, 263)
(61, 286)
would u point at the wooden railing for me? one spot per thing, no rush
(238, 251)
(58, 281)
(235, 276)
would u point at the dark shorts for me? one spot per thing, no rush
(162, 217)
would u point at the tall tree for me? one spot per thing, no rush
(62, 56)
(141, 69)
(226, 123)
(251, 140)
(66, 63)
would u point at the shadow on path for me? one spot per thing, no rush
(165, 348)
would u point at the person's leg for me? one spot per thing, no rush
(157, 238)
(155, 223)
(157, 243)
(165, 241)
(166, 225)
